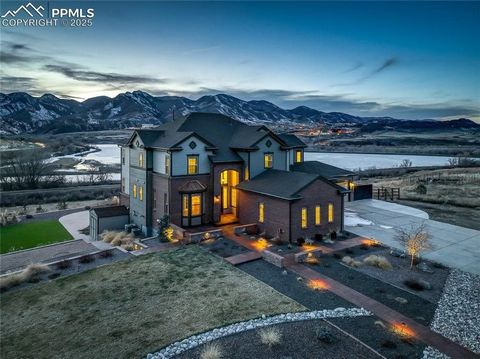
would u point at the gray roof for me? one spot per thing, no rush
(276, 183)
(193, 186)
(110, 211)
(218, 131)
(291, 140)
(321, 169)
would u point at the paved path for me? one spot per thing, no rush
(20, 259)
(422, 332)
(243, 258)
(75, 222)
(454, 246)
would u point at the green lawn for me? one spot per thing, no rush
(33, 234)
(130, 308)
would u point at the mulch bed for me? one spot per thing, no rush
(298, 341)
(291, 287)
(382, 339)
(223, 247)
(401, 271)
(416, 307)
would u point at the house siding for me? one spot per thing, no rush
(256, 157)
(179, 158)
(161, 184)
(159, 161)
(125, 173)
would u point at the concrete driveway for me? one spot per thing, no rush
(454, 246)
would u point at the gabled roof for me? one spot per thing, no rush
(193, 186)
(220, 133)
(291, 141)
(276, 183)
(111, 211)
(321, 169)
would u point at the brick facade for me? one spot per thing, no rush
(286, 215)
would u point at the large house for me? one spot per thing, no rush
(211, 169)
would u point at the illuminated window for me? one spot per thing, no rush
(196, 205)
(304, 217)
(167, 164)
(192, 162)
(330, 213)
(261, 212)
(298, 156)
(246, 175)
(234, 197)
(268, 160)
(134, 190)
(224, 197)
(140, 193)
(185, 205)
(224, 177)
(317, 215)
(140, 160)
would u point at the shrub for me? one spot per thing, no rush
(349, 251)
(108, 236)
(324, 334)
(337, 255)
(417, 284)
(349, 261)
(378, 261)
(421, 189)
(64, 264)
(106, 254)
(86, 259)
(300, 241)
(270, 336)
(29, 216)
(87, 208)
(389, 344)
(318, 237)
(29, 274)
(211, 351)
(364, 246)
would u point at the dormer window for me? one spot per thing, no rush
(192, 164)
(268, 160)
(298, 156)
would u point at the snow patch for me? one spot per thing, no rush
(352, 219)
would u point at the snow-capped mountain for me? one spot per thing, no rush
(21, 112)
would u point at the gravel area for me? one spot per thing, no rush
(194, 341)
(289, 284)
(458, 313)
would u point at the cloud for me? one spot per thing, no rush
(16, 83)
(392, 61)
(357, 66)
(79, 74)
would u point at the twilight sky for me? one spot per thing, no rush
(404, 59)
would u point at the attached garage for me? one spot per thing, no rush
(107, 219)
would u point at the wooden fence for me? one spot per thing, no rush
(387, 193)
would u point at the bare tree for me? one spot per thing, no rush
(25, 171)
(415, 239)
(406, 163)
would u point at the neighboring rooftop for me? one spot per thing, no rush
(111, 211)
(322, 169)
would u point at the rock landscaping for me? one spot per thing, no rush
(194, 341)
(458, 313)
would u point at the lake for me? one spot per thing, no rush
(110, 154)
(354, 161)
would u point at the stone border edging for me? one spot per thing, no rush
(39, 247)
(196, 340)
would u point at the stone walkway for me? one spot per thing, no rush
(243, 258)
(45, 254)
(454, 246)
(391, 316)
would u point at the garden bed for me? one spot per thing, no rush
(287, 283)
(409, 304)
(298, 340)
(223, 247)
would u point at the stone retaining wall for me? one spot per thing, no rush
(275, 259)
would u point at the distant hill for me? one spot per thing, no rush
(21, 113)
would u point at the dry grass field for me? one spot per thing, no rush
(127, 309)
(448, 195)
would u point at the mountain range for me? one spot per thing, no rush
(23, 113)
